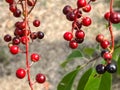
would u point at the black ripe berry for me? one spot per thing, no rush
(100, 69)
(111, 68)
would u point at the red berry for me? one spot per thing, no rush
(104, 44)
(36, 23)
(33, 35)
(107, 56)
(14, 49)
(87, 8)
(7, 37)
(13, 8)
(16, 41)
(18, 32)
(24, 39)
(20, 73)
(107, 15)
(100, 38)
(73, 44)
(10, 1)
(115, 17)
(67, 9)
(35, 57)
(68, 36)
(40, 78)
(80, 34)
(81, 3)
(86, 21)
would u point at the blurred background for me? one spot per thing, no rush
(53, 48)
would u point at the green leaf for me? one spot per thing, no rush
(74, 54)
(116, 54)
(93, 82)
(118, 65)
(117, 26)
(67, 81)
(106, 82)
(83, 80)
(89, 51)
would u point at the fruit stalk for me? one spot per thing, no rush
(27, 46)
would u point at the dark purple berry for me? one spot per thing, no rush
(111, 68)
(40, 35)
(7, 37)
(100, 69)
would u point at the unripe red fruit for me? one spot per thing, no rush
(104, 44)
(107, 56)
(81, 3)
(20, 73)
(114, 17)
(68, 36)
(16, 41)
(87, 8)
(13, 8)
(14, 49)
(86, 21)
(17, 13)
(40, 78)
(99, 37)
(80, 34)
(24, 39)
(70, 16)
(36, 23)
(107, 15)
(73, 44)
(35, 57)
(30, 2)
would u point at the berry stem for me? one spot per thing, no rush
(27, 45)
(110, 27)
(32, 7)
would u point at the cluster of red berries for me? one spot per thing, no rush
(23, 35)
(78, 20)
(111, 17)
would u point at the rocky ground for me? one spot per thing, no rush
(53, 49)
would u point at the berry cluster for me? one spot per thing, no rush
(111, 17)
(77, 35)
(23, 35)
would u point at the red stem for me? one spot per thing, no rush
(110, 27)
(27, 46)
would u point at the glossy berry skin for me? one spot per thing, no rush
(36, 23)
(17, 13)
(18, 32)
(68, 36)
(80, 34)
(14, 49)
(104, 44)
(70, 16)
(16, 41)
(7, 37)
(115, 17)
(100, 69)
(40, 78)
(35, 57)
(104, 51)
(33, 35)
(99, 37)
(86, 21)
(77, 25)
(20, 73)
(40, 35)
(87, 8)
(67, 9)
(107, 56)
(73, 44)
(111, 68)
(81, 3)
(30, 2)
(107, 15)
(24, 39)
